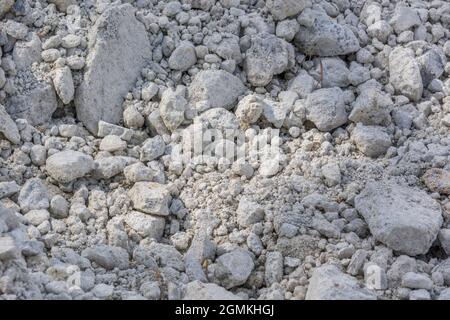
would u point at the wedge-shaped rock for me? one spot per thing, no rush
(404, 73)
(118, 50)
(150, 197)
(405, 219)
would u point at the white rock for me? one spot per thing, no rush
(146, 225)
(150, 197)
(373, 141)
(183, 57)
(405, 219)
(197, 290)
(326, 109)
(152, 148)
(282, 9)
(67, 166)
(414, 280)
(118, 50)
(63, 83)
(249, 213)
(329, 283)
(108, 257)
(36, 217)
(33, 195)
(112, 143)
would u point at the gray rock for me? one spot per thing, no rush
(36, 217)
(414, 280)
(267, 56)
(8, 248)
(5, 6)
(273, 268)
(319, 35)
(150, 197)
(172, 107)
(249, 213)
(59, 207)
(380, 30)
(25, 53)
(118, 50)
(183, 57)
(326, 109)
(405, 73)
(63, 83)
(432, 64)
(35, 105)
(146, 225)
(197, 290)
(373, 141)
(282, 9)
(249, 109)
(404, 18)
(112, 143)
(62, 5)
(335, 73)
(8, 127)
(303, 84)
(215, 89)
(8, 188)
(232, 269)
(420, 294)
(444, 239)
(405, 219)
(437, 180)
(372, 107)
(329, 283)
(108, 257)
(67, 166)
(106, 168)
(33, 196)
(152, 148)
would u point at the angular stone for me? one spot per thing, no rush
(8, 248)
(146, 225)
(63, 82)
(372, 107)
(329, 283)
(215, 89)
(249, 213)
(405, 219)
(33, 196)
(152, 148)
(150, 197)
(326, 109)
(118, 50)
(282, 9)
(437, 180)
(373, 141)
(172, 107)
(197, 290)
(324, 37)
(268, 56)
(108, 257)
(35, 105)
(67, 166)
(232, 269)
(8, 127)
(405, 74)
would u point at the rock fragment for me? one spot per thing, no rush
(67, 166)
(150, 197)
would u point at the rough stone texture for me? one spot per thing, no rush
(326, 109)
(233, 268)
(268, 56)
(373, 141)
(324, 37)
(183, 57)
(282, 9)
(67, 166)
(172, 107)
(33, 196)
(329, 283)
(150, 197)
(63, 84)
(8, 127)
(197, 290)
(405, 219)
(118, 50)
(146, 225)
(5, 5)
(405, 74)
(107, 257)
(437, 180)
(215, 89)
(36, 105)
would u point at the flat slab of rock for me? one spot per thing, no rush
(329, 283)
(405, 219)
(321, 36)
(215, 89)
(118, 50)
(197, 290)
(67, 166)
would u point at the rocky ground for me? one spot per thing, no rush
(116, 180)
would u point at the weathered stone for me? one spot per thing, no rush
(215, 89)
(232, 269)
(67, 166)
(373, 141)
(63, 82)
(150, 197)
(437, 180)
(108, 257)
(146, 225)
(33, 196)
(183, 57)
(197, 290)
(405, 219)
(172, 107)
(8, 127)
(282, 9)
(329, 283)
(118, 50)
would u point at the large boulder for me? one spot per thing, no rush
(319, 35)
(404, 73)
(118, 50)
(215, 89)
(405, 219)
(329, 283)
